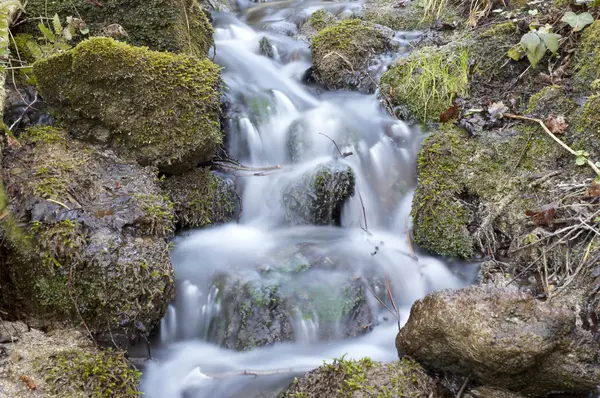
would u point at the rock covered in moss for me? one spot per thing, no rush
(365, 378)
(201, 198)
(587, 59)
(319, 20)
(342, 53)
(157, 108)
(425, 84)
(503, 338)
(171, 25)
(318, 196)
(87, 236)
(409, 16)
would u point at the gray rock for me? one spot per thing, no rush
(318, 196)
(504, 339)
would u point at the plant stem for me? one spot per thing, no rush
(555, 138)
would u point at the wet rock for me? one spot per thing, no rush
(266, 48)
(318, 196)
(502, 338)
(11, 332)
(343, 52)
(24, 108)
(85, 237)
(201, 198)
(172, 25)
(365, 378)
(156, 108)
(298, 295)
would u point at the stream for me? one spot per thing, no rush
(270, 101)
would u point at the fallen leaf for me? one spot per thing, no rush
(450, 114)
(29, 382)
(556, 124)
(497, 110)
(543, 216)
(593, 189)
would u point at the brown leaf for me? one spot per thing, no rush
(556, 124)
(543, 216)
(450, 114)
(594, 189)
(29, 382)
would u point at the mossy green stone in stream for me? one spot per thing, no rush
(340, 52)
(428, 80)
(201, 198)
(364, 378)
(587, 58)
(322, 19)
(165, 25)
(97, 374)
(85, 229)
(156, 108)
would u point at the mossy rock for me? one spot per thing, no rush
(171, 25)
(425, 83)
(409, 17)
(318, 196)
(201, 198)
(342, 53)
(89, 373)
(318, 21)
(587, 59)
(86, 237)
(365, 378)
(156, 108)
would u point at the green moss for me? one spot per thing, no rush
(587, 58)
(587, 131)
(161, 109)
(428, 80)
(201, 198)
(20, 47)
(321, 19)
(90, 374)
(501, 29)
(344, 49)
(171, 25)
(551, 99)
(158, 214)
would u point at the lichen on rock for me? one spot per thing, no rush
(86, 236)
(201, 198)
(365, 378)
(156, 108)
(172, 25)
(342, 52)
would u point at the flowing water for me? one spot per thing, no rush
(268, 100)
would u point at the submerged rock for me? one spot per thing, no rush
(365, 378)
(342, 53)
(503, 338)
(318, 196)
(165, 25)
(85, 237)
(156, 108)
(201, 198)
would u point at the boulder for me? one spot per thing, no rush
(502, 338)
(364, 378)
(342, 53)
(85, 237)
(155, 108)
(318, 196)
(171, 25)
(201, 198)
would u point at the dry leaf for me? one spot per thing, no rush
(29, 382)
(594, 189)
(556, 124)
(543, 216)
(450, 114)
(497, 110)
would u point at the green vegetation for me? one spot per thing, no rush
(428, 80)
(158, 214)
(587, 59)
(95, 374)
(321, 19)
(167, 116)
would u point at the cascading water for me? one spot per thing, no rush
(275, 119)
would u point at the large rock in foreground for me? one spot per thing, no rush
(502, 338)
(365, 378)
(85, 237)
(318, 196)
(156, 108)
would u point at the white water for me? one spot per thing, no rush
(266, 98)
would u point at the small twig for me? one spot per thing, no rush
(342, 154)
(464, 386)
(363, 211)
(382, 303)
(58, 203)
(16, 122)
(391, 296)
(238, 167)
(555, 138)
